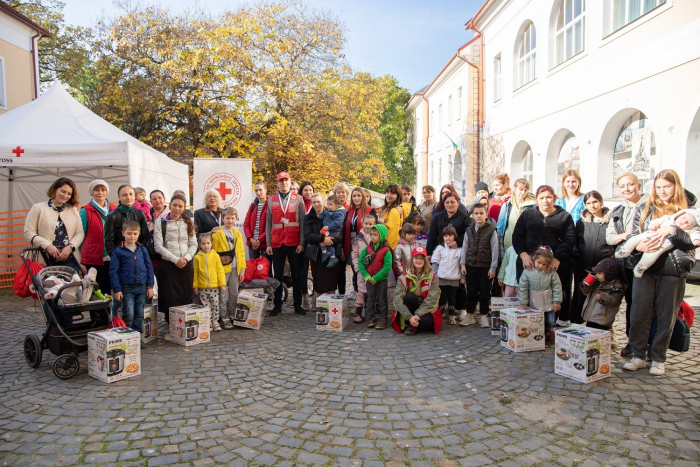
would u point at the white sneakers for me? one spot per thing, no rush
(634, 364)
(468, 320)
(484, 321)
(657, 369)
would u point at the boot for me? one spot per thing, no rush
(305, 302)
(613, 340)
(358, 315)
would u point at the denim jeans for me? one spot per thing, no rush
(132, 305)
(550, 319)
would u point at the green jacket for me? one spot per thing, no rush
(388, 259)
(540, 289)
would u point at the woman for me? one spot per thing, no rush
(416, 298)
(176, 246)
(548, 225)
(511, 211)
(572, 198)
(444, 191)
(93, 252)
(209, 219)
(325, 279)
(55, 225)
(428, 205)
(342, 191)
(501, 194)
(158, 208)
(450, 216)
(590, 243)
(294, 187)
(391, 214)
(619, 228)
(307, 190)
(659, 292)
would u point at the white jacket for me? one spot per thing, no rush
(447, 260)
(177, 243)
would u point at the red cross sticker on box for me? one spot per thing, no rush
(335, 311)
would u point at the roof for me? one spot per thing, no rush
(470, 23)
(5, 7)
(421, 90)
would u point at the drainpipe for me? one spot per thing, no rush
(35, 55)
(427, 134)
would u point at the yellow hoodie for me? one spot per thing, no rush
(393, 220)
(220, 244)
(208, 271)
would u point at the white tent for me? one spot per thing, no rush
(55, 135)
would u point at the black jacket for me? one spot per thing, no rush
(460, 221)
(206, 221)
(556, 231)
(113, 227)
(676, 262)
(590, 239)
(313, 236)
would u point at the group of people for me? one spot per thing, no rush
(570, 257)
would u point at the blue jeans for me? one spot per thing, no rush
(550, 319)
(132, 305)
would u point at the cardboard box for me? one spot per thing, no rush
(114, 354)
(149, 327)
(497, 304)
(250, 310)
(582, 353)
(189, 324)
(522, 330)
(332, 312)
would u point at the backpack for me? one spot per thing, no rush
(411, 214)
(151, 244)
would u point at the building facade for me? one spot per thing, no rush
(445, 118)
(604, 87)
(19, 64)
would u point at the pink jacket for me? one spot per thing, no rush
(144, 206)
(359, 243)
(402, 255)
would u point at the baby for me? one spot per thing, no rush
(72, 294)
(684, 219)
(142, 204)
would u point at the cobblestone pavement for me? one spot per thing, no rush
(360, 397)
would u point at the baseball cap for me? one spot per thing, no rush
(419, 250)
(282, 175)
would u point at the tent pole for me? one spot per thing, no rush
(10, 179)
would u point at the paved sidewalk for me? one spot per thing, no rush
(360, 397)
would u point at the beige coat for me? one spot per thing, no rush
(40, 227)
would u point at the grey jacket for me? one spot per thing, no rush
(540, 290)
(604, 309)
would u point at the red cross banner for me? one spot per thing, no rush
(232, 178)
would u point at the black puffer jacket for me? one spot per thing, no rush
(460, 221)
(590, 239)
(556, 231)
(313, 236)
(676, 262)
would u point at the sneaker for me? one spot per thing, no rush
(657, 369)
(325, 256)
(451, 320)
(305, 302)
(299, 310)
(626, 351)
(216, 327)
(382, 324)
(357, 319)
(484, 321)
(410, 330)
(332, 262)
(167, 337)
(563, 324)
(462, 315)
(634, 364)
(370, 322)
(468, 320)
(276, 311)
(226, 323)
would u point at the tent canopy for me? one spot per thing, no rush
(55, 135)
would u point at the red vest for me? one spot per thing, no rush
(281, 233)
(93, 247)
(378, 260)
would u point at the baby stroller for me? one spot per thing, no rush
(67, 324)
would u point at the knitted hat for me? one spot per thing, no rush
(608, 267)
(95, 183)
(481, 186)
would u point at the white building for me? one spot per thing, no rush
(603, 86)
(446, 112)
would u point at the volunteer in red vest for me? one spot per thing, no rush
(93, 253)
(284, 229)
(255, 223)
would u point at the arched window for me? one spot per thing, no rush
(527, 56)
(570, 29)
(635, 151)
(527, 165)
(569, 159)
(623, 12)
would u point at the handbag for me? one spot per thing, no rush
(22, 285)
(680, 337)
(256, 269)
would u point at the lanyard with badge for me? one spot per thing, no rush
(284, 207)
(217, 219)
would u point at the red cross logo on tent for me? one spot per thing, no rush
(335, 311)
(224, 190)
(18, 151)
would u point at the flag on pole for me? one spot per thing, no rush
(454, 145)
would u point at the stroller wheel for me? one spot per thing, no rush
(32, 350)
(66, 366)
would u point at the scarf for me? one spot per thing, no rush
(125, 209)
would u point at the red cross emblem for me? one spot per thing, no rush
(335, 311)
(179, 320)
(18, 151)
(223, 190)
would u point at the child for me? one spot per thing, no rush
(685, 219)
(479, 264)
(541, 289)
(374, 265)
(408, 204)
(131, 275)
(208, 277)
(142, 204)
(419, 227)
(229, 244)
(445, 260)
(506, 274)
(333, 218)
(402, 252)
(359, 243)
(603, 297)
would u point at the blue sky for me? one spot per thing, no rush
(410, 39)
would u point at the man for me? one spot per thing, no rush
(285, 234)
(255, 222)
